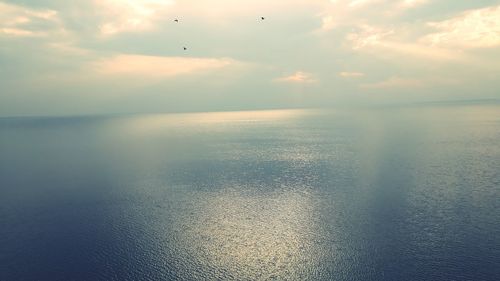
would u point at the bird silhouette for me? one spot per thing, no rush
(262, 18)
(176, 20)
(185, 48)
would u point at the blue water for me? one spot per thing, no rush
(371, 194)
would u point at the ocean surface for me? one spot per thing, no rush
(369, 194)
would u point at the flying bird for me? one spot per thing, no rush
(176, 20)
(185, 48)
(262, 18)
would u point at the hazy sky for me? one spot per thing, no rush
(109, 56)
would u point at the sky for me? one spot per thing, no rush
(60, 57)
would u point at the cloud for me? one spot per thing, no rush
(412, 3)
(367, 35)
(361, 3)
(351, 74)
(327, 23)
(298, 77)
(19, 21)
(390, 5)
(405, 83)
(119, 16)
(472, 29)
(354, 13)
(130, 15)
(392, 42)
(395, 82)
(478, 28)
(156, 66)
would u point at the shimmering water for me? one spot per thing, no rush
(379, 194)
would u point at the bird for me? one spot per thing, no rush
(176, 20)
(262, 18)
(185, 48)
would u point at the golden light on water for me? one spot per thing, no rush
(157, 122)
(254, 236)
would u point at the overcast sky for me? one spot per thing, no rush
(61, 57)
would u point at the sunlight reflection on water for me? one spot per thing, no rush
(254, 236)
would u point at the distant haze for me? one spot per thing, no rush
(117, 56)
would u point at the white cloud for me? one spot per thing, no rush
(130, 15)
(328, 23)
(406, 83)
(19, 21)
(412, 3)
(298, 77)
(157, 67)
(144, 15)
(351, 74)
(388, 42)
(353, 13)
(362, 3)
(18, 32)
(367, 35)
(395, 82)
(472, 29)
(478, 28)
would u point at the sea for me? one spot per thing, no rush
(385, 193)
